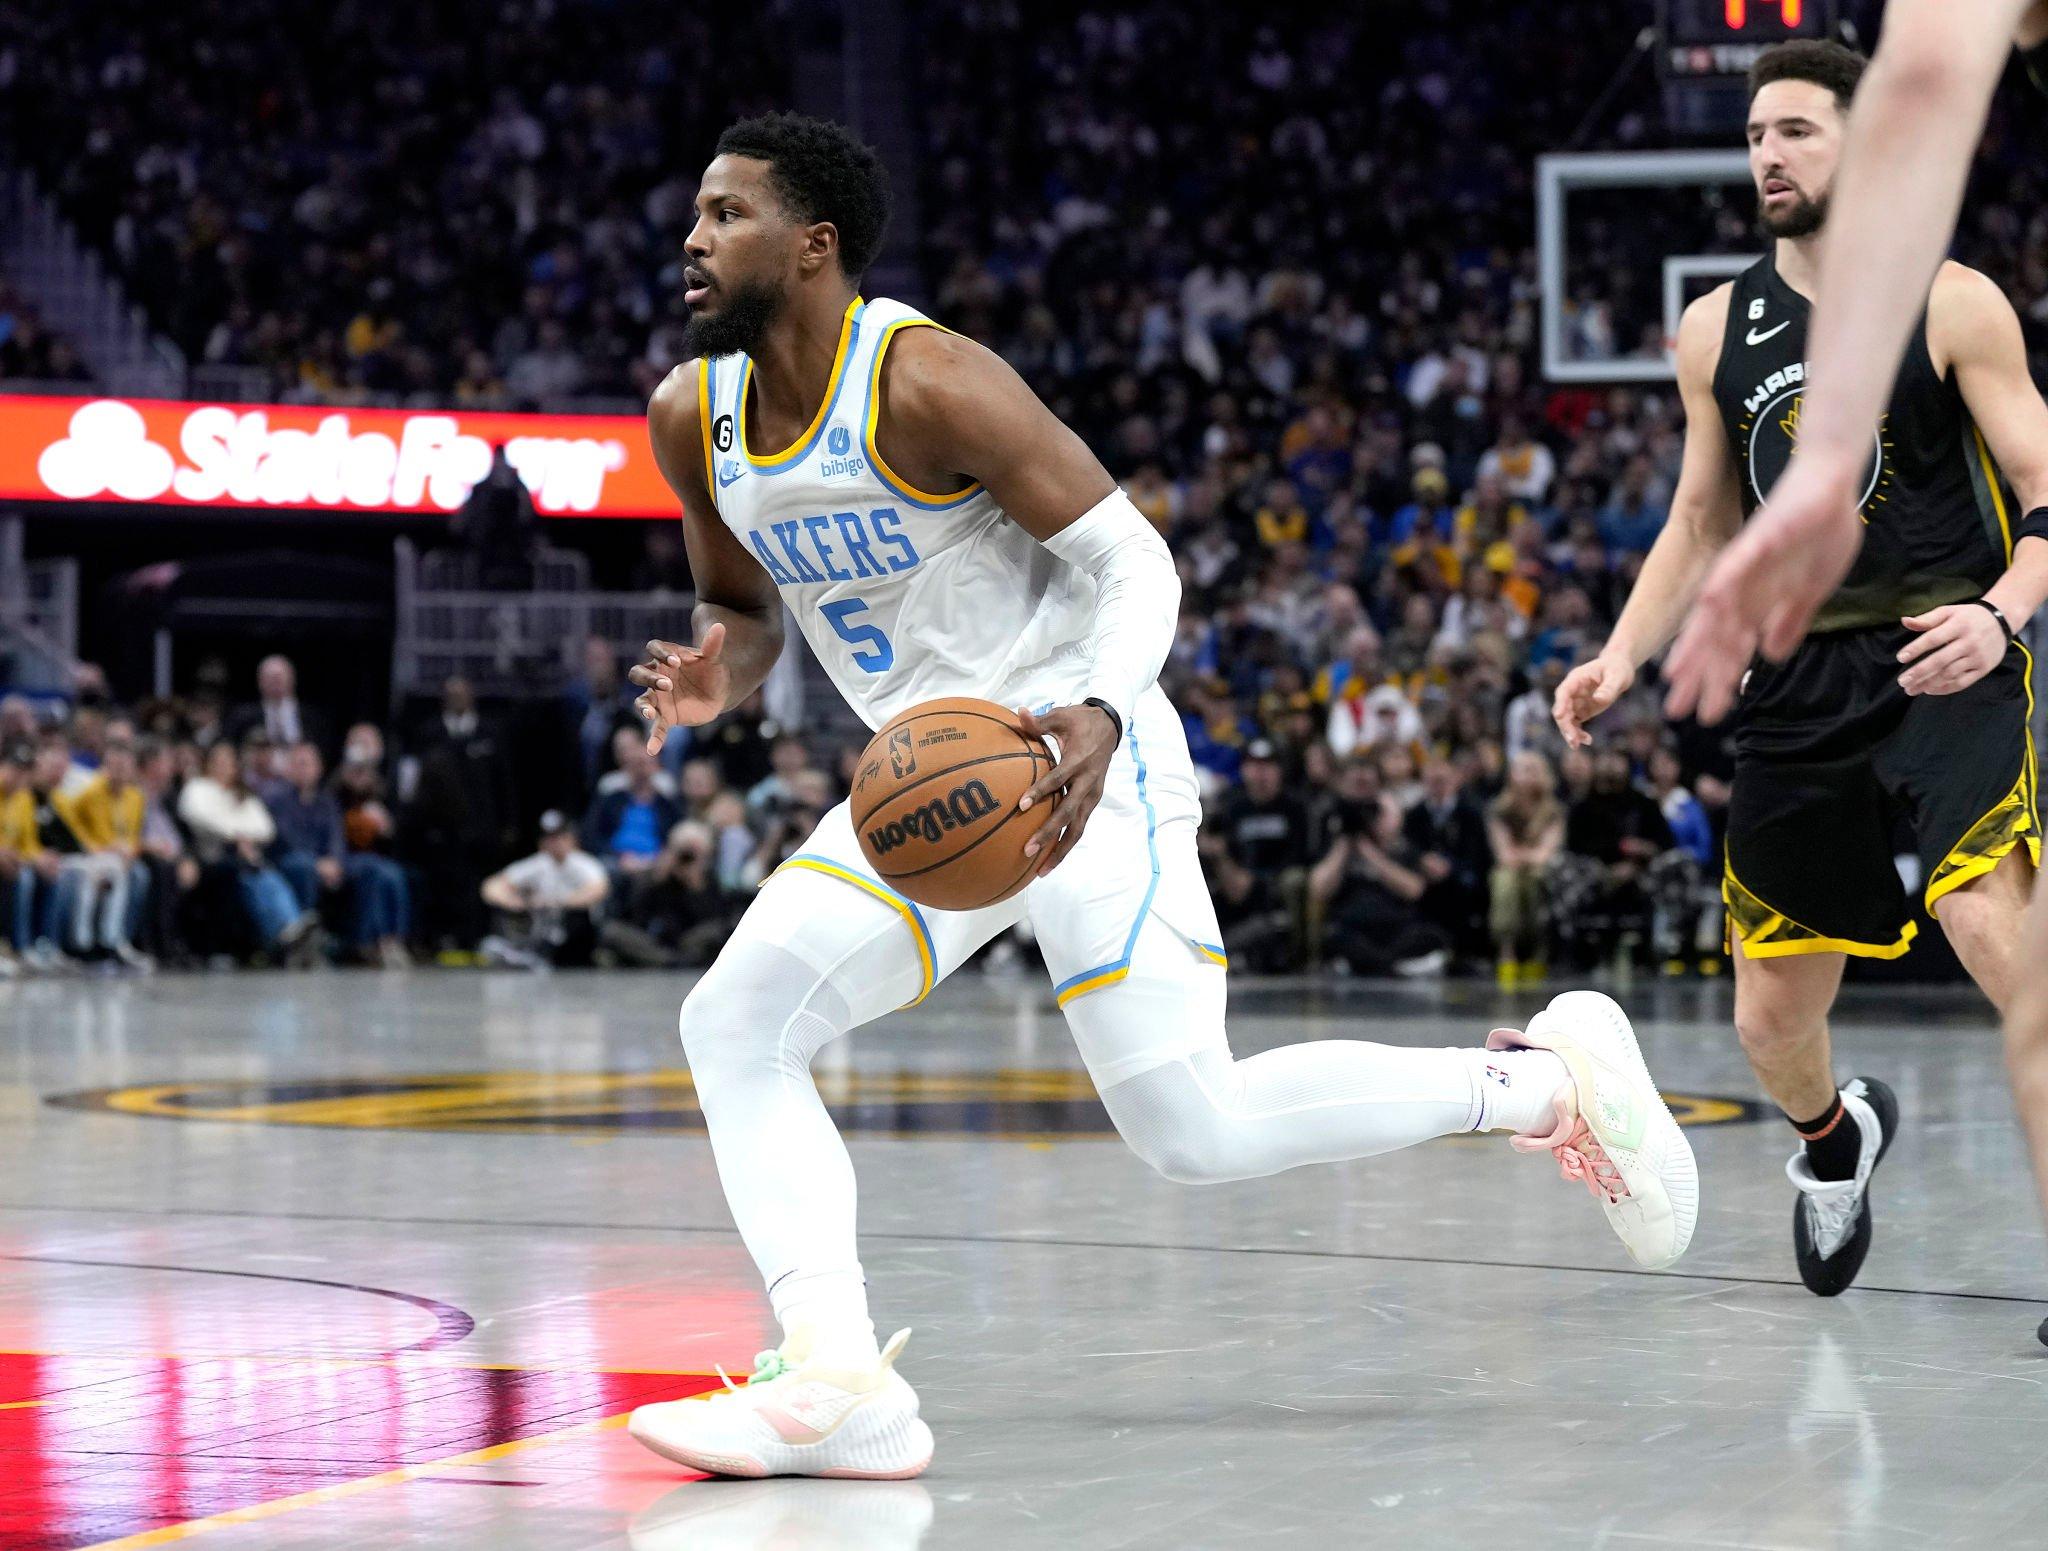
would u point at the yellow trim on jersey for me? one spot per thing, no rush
(1751, 921)
(889, 475)
(704, 426)
(927, 965)
(1212, 955)
(1107, 978)
(803, 442)
(1991, 479)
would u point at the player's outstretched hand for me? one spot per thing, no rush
(1764, 591)
(1954, 647)
(1086, 738)
(1587, 690)
(682, 686)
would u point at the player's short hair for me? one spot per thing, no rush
(1822, 61)
(822, 172)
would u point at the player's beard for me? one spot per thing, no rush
(738, 325)
(1805, 217)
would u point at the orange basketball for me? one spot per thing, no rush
(935, 803)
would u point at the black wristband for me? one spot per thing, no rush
(2032, 526)
(1998, 614)
(1117, 722)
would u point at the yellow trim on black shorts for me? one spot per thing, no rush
(1989, 841)
(1771, 934)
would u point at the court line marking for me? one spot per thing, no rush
(327, 1494)
(1295, 1252)
(451, 1325)
(341, 1364)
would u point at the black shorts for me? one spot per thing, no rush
(1830, 754)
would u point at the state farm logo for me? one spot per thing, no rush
(239, 456)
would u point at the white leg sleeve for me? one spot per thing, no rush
(812, 958)
(1155, 1045)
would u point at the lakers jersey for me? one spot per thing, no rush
(1937, 523)
(904, 594)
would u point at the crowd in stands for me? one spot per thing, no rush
(417, 203)
(29, 351)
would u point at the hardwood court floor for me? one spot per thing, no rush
(364, 1261)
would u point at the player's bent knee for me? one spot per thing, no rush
(763, 1013)
(1176, 1127)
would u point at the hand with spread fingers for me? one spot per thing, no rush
(1086, 737)
(1953, 648)
(1764, 590)
(682, 686)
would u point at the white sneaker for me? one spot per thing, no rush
(793, 1418)
(1622, 1141)
(134, 958)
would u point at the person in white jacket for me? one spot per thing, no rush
(232, 826)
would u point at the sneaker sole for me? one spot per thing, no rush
(788, 1459)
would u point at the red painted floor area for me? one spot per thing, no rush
(93, 1449)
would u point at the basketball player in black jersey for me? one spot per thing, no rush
(1903, 169)
(1910, 698)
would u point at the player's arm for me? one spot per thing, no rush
(1973, 332)
(1706, 512)
(962, 410)
(738, 617)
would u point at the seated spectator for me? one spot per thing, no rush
(602, 703)
(628, 754)
(1684, 882)
(1265, 824)
(309, 848)
(17, 860)
(109, 812)
(681, 914)
(1634, 514)
(276, 711)
(1366, 894)
(547, 902)
(172, 870)
(70, 873)
(1259, 927)
(1614, 833)
(1383, 716)
(231, 829)
(1525, 828)
(1447, 833)
(625, 825)
(787, 755)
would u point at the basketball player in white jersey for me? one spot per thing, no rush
(1919, 114)
(936, 531)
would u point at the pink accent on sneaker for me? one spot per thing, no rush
(1579, 1155)
(788, 1427)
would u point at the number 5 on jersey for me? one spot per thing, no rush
(874, 654)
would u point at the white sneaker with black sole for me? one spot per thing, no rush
(1831, 1217)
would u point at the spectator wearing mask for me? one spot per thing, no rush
(547, 902)
(231, 830)
(1525, 829)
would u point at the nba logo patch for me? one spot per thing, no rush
(838, 441)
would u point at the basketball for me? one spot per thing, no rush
(935, 803)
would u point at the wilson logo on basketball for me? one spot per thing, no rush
(962, 806)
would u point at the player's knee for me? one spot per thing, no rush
(1177, 1128)
(762, 1014)
(1768, 1033)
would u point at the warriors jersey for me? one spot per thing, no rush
(905, 595)
(1937, 520)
